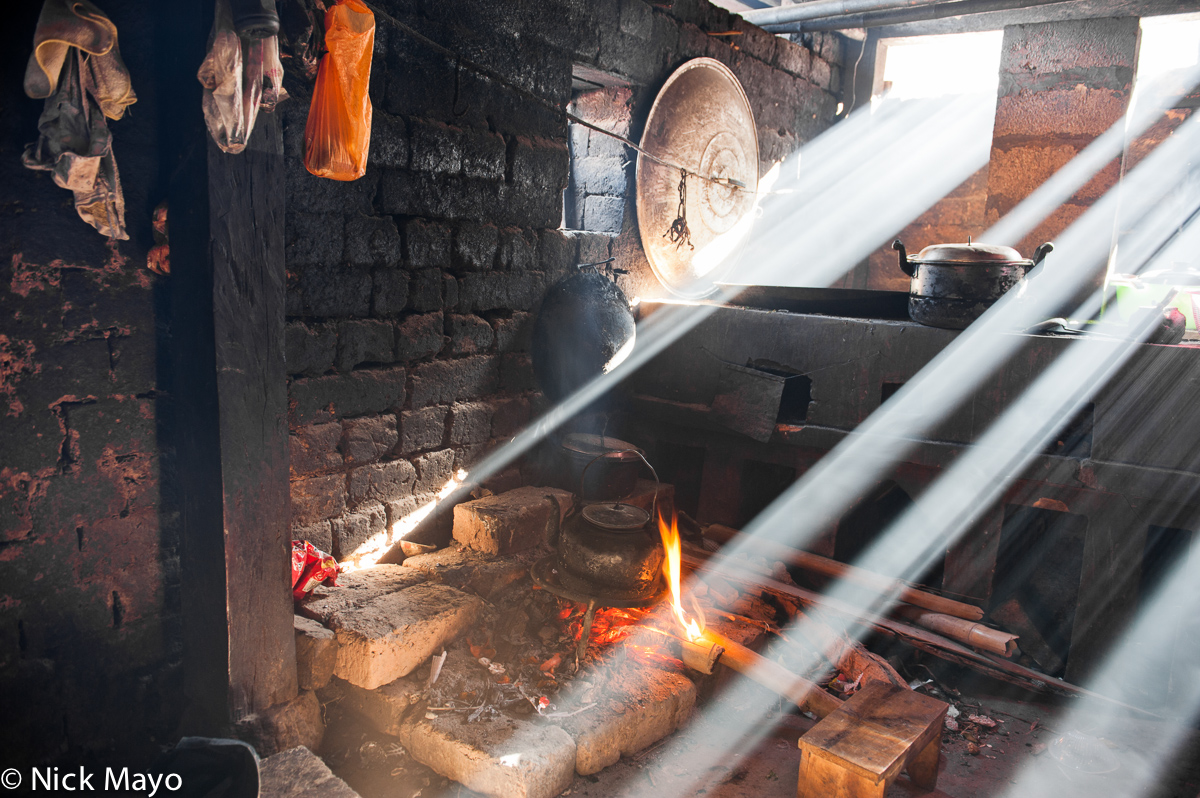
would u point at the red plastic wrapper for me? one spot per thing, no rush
(311, 567)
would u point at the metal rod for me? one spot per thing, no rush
(878, 19)
(826, 8)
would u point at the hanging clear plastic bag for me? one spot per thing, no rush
(232, 74)
(338, 134)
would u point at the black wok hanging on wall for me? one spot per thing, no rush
(584, 329)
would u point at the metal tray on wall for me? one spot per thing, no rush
(854, 303)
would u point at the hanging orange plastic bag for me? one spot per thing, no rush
(338, 133)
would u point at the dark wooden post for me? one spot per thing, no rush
(228, 389)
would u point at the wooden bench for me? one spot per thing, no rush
(858, 749)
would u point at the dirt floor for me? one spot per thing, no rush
(1025, 736)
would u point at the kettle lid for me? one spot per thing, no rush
(617, 517)
(970, 253)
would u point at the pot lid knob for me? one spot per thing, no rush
(616, 517)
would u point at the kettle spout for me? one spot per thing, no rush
(906, 265)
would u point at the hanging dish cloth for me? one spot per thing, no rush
(233, 74)
(77, 68)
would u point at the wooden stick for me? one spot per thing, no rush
(973, 634)
(714, 647)
(832, 568)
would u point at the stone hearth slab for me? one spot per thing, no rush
(510, 758)
(299, 773)
(316, 653)
(640, 705)
(388, 637)
(472, 571)
(513, 521)
(356, 589)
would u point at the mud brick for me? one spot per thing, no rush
(372, 241)
(309, 349)
(514, 334)
(434, 470)
(313, 239)
(352, 530)
(541, 163)
(318, 534)
(365, 440)
(389, 137)
(422, 429)
(420, 337)
(445, 381)
(354, 394)
(427, 244)
(469, 334)
(509, 416)
(649, 705)
(470, 423)
(367, 341)
(520, 519)
(356, 589)
(436, 147)
(475, 247)
(338, 291)
(484, 155)
(449, 291)
(556, 252)
(314, 449)
(390, 293)
(499, 291)
(318, 499)
(387, 638)
(299, 773)
(316, 653)
(518, 250)
(382, 482)
(516, 373)
(517, 760)
(425, 290)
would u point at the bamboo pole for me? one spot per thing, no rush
(973, 634)
(832, 568)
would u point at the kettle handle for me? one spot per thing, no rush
(1041, 252)
(907, 266)
(640, 456)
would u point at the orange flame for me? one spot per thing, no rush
(671, 569)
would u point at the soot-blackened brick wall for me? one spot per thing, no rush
(412, 291)
(88, 566)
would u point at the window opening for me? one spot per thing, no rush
(934, 66)
(601, 166)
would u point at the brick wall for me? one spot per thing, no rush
(88, 563)
(411, 291)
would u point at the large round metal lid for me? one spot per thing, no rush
(596, 445)
(988, 254)
(700, 121)
(616, 517)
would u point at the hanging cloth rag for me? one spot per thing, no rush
(77, 68)
(233, 74)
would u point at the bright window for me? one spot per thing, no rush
(933, 66)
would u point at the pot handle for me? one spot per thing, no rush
(640, 456)
(907, 266)
(1041, 252)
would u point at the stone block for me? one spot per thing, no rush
(427, 244)
(422, 429)
(313, 239)
(365, 440)
(299, 773)
(436, 147)
(318, 534)
(434, 470)
(1070, 46)
(518, 250)
(647, 705)
(484, 155)
(390, 636)
(516, 373)
(541, 163)
(314, 449)
(499, 291)
(389, 295)
(603, 214)
(366, 341)
(318, 499)
(420, 336)
(509, 416)
(556, 252)
(389, 138)
(470, 423)
(513, 521)
(338, 291)
(309, 349)
(820, 72)
(284, 726)
(445, 381)
(372, 241)
(356, 589)
(475, 247)
(472, 571)
(425, 291)
(601, 175)
(384, 707)
(1077, 111)
(316, 653)
(354, 394)
(514, 333)
(469, 334)
(351, 531)
(382, 482)
(518, 759)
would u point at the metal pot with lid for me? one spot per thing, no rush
(953, 284)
